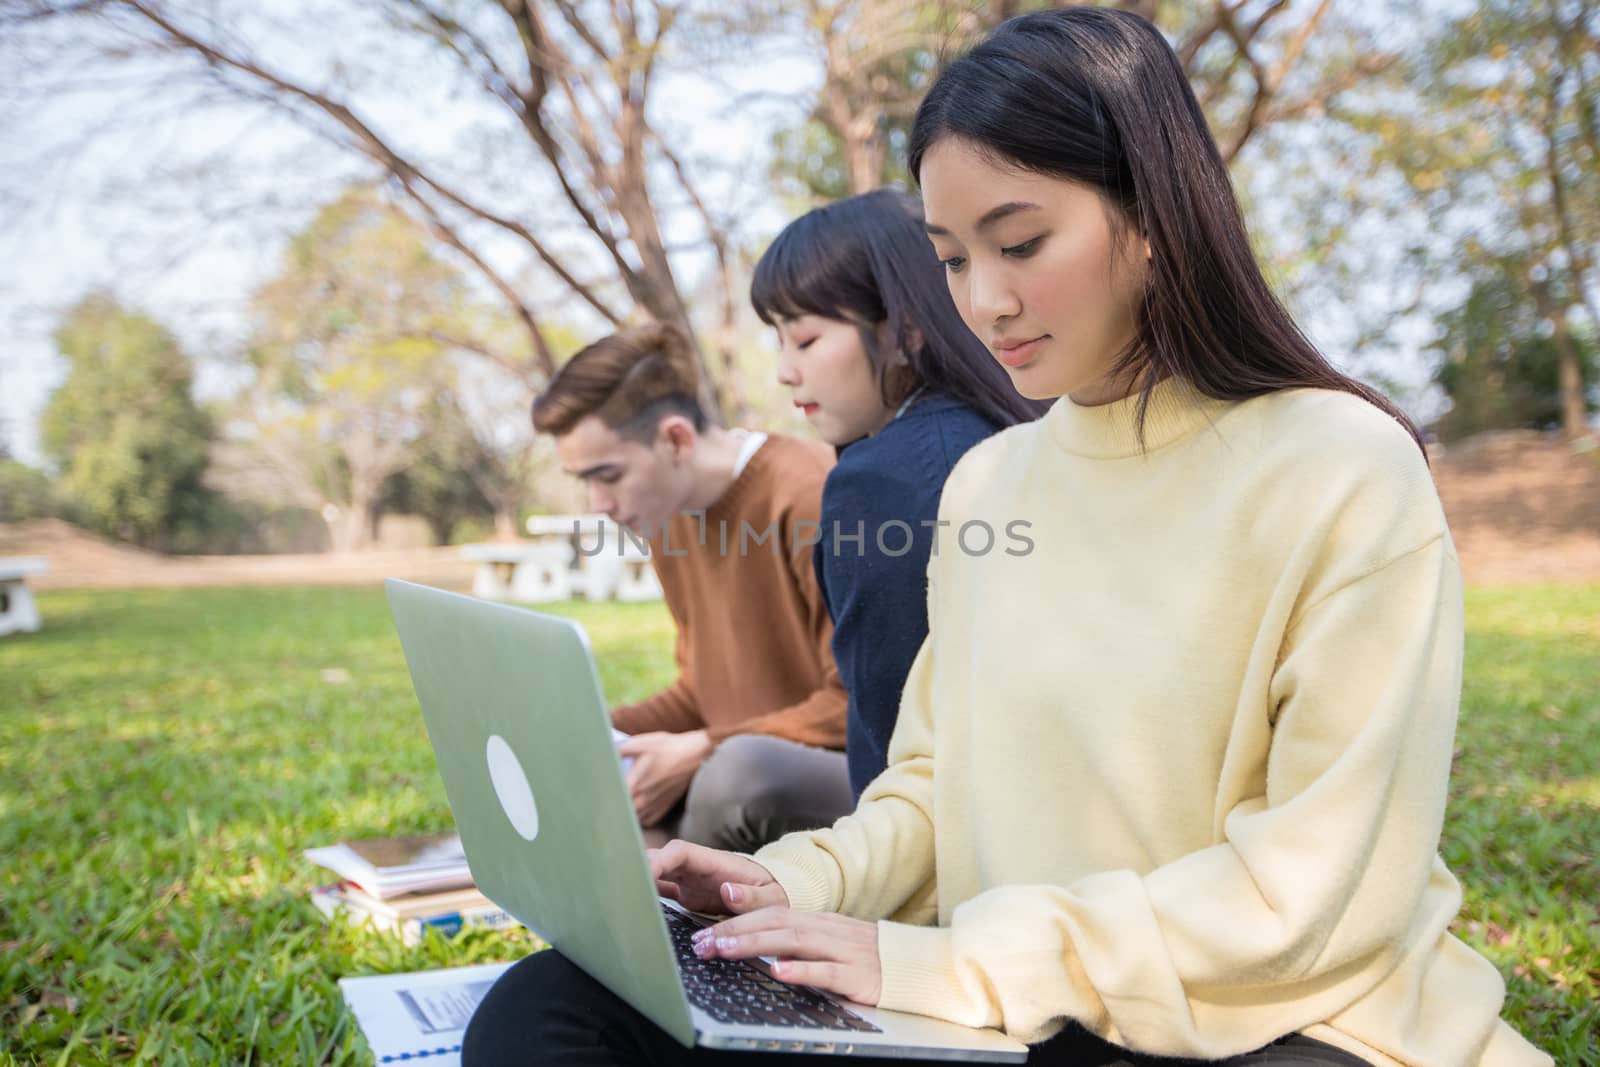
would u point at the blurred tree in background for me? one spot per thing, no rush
(1500, 364)
(441, 481)
(349, 352)
(474, 468)
(124, 429)
(25, 493)
(1253, 65)
(1492, 123)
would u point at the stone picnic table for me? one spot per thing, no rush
(18, 613)
(569, 555)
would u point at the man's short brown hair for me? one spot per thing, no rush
(629, 380)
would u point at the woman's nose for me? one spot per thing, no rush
(990, 295)
(788, 372)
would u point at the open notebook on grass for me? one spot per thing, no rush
(421, 1015)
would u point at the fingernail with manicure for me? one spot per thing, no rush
(727, 944)
(733, 891)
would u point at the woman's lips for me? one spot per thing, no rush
(1023, 354)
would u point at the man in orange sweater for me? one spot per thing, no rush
(747, 744)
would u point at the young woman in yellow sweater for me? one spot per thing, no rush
(1171, 784)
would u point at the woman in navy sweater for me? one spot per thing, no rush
(877, 357)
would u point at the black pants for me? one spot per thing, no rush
(545, 1011)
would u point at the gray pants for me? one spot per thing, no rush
(754, 789)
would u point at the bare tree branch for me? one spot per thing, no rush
(650, 281)
(1243, 39)
(727, 330)
(544, 357)
(371, 144)
(1296, 45)
(1196, 39)
(478, 348)
(574, 20)
(1320, 98)
(1578, 253)
(476, 57)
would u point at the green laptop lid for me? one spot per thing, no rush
(514, 710)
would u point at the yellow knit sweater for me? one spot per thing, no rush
(1179, 771)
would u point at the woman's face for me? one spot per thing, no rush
(826, 368)
(1035, 271)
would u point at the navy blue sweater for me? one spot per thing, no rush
(875, 587)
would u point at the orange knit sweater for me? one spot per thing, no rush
(753, 634)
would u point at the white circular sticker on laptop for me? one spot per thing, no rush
(511, 786)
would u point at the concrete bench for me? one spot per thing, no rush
(18, 613)
(637, 579)
(535, 573)
(585, 555)
(608, 563)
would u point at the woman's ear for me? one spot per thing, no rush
(914, 338)
(890, 344)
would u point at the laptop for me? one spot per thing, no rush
(513, 707)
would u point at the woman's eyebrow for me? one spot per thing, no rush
(990, 217)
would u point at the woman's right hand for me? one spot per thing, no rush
(713, 882)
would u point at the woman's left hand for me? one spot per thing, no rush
(818, 949)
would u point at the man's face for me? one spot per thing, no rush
(640, 486)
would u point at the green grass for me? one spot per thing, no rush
(1523, 828)
(165, 756)
(170, 755)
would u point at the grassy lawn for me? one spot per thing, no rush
(165, 756)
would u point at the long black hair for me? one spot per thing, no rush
(1097, 96)
(867, 260)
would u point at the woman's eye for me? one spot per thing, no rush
(1022, 251)
(954, 264)
(803, 345)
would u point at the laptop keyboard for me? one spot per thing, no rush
(733, 991)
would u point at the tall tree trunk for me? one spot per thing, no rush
(505, 524)
(350, 529)
(865, 149)
(354, 530)
(1574, 409)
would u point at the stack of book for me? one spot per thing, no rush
(413, 914)
(389, 866)
(405, 884)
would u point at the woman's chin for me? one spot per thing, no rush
(1032, 385)
(830, 432)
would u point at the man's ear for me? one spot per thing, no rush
(678, 436)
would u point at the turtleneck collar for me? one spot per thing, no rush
(1111, 431)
